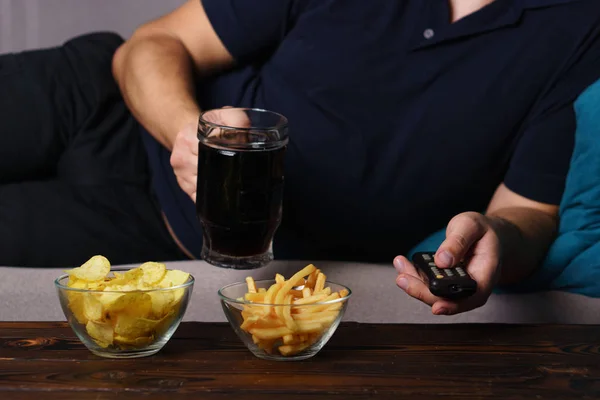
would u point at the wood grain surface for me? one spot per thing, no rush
(362, 361)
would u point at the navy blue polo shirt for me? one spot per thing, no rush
(399, 119)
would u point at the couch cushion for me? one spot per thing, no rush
(28, 294)
(573, 261)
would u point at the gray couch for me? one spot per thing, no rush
(28, 294)
(29, 24)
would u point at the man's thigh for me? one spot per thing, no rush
(57, 224)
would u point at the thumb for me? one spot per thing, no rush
(462, 232)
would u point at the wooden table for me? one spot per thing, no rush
(362, 361)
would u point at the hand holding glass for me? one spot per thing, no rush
(240, 185)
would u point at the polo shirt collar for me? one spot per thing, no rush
(543, 3)
(492, 17)
(497, 15)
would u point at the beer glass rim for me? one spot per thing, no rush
(282, 124)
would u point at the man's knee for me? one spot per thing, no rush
(106, 41)
(90, 56)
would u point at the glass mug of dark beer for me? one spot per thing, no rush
(240, 185)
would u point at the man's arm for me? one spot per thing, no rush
(505, 246)
(526, 229)
(155, 69)
(523, 228)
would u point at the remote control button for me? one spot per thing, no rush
(439, 276)
(449, 272)
(426, 257)
(432, 264)
(460, 271)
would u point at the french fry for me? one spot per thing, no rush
(255, 297)
(291, 349)
(251, 285)
(287, 317)
(249, 322)
(296, 293)
(287, 314)
(289, 284)
(300, 282)
(333, 307)
(271, 333)
(320, 284)
(309, 327)
(317, 317)
(312, 299)
(294, 339)
(324, 307)
(266, 345)
(312, 279)
(270, 297)
(269, 323)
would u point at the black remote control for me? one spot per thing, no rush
(449, 283)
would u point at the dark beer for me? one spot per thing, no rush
(239, 197)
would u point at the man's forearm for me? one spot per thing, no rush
(525, 236)
(155, 75)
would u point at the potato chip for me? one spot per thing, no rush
(123, 311)
(137, 304)
(95, 269)
(75, 304)
(173, 277)
(127, 279)
(76, 283)
(92, 308)
(102, 333)
(161, 302)
(133, 327)
(153, 272)
(135, 342)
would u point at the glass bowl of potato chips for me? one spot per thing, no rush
(285, 320)
(121, 313)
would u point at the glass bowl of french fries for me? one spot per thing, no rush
(285, 320)
(120, 313)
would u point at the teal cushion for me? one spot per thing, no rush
(573, 261)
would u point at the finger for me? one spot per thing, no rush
(463, 231)
(416, 288)
(188, 187)
(189, 181)
(190, 140)
(184, 163)
(229, 117)
(483, 268)
(403, 266)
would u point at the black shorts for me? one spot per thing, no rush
(74, 176)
